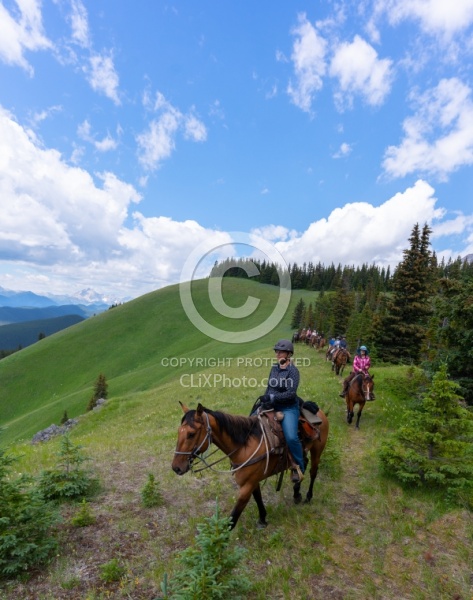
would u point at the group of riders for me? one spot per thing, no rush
(281, 394)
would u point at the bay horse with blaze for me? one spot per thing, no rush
(243, 441)
(360, 391)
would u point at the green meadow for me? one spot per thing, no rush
(363, 536)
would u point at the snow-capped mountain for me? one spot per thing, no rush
(86, 297)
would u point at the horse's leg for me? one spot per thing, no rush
(261, 508)
(297, 493)
(314, 468)
(243, 499)
(350, 411)
(358, 416)
(297, 486)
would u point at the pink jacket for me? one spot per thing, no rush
(361, 364)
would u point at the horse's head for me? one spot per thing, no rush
(193, 438)
(367, 385)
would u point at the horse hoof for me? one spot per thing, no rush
(307, 500)
(298, 499)
(261, 525)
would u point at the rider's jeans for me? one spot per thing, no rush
(290, 426)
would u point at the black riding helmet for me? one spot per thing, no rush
(285, 346)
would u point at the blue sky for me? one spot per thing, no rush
(131, 133)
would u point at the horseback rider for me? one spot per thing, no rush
(281, 395)
(361, 364)
(334, 347)
(342, 345)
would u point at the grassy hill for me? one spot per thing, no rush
(130, 345)
(363, 536)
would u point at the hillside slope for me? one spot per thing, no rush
(131, 345)
(10, 314)
(27, 333)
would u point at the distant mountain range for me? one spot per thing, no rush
(88, 298)
(11, 314)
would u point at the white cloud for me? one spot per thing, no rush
(23, 33)
(195, 129)
(438, 139)
(308, 56)
(158, 141)
(273, 233)
(102, 76)
(60, 228)
(79, 24)
(84, 131)
(51, 211)
(373, 234)
(434, 16)
(360, 72)
(344, 150)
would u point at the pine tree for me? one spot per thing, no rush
(342, 305)
(435, 446)
(100, 391)
(401, 331)
(297, 314)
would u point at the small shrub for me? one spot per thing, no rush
(67, 481)
(100, 391)
(150, 494)
(26, 520)
(84, 516)
(434, 448)
(210, 568)
(64, 418)
(112, 571)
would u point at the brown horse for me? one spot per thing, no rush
(244, 441)
(360, 390)
(340, 360)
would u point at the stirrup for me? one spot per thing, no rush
(342, 394)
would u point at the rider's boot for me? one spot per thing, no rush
(296, 474)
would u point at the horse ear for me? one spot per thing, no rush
(200, 409)
(372, 376)
(184, 407)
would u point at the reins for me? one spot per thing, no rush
(250, 460)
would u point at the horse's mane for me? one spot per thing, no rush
(239, 428)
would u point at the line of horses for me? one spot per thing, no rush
(313, 339)
(244, 441)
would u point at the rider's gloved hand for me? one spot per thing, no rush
(266, 402)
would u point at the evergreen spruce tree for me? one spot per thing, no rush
(212, 569)
(401, 331)
(323, 313)
(297, 314)
(342, 305)
(26, 522)
(100, 391)
(435, 447)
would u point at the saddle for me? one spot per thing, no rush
(308, 426)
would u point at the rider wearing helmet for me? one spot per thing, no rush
(281, 395)
(361, 364)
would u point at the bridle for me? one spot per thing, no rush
(365, 386)
(195, 452)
